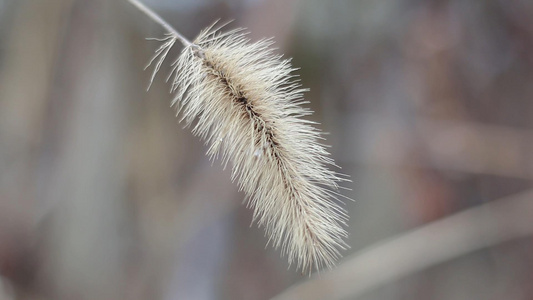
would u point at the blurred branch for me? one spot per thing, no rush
(477, 148)
(465, 232)
(447, 145)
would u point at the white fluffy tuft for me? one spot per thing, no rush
(243, 100)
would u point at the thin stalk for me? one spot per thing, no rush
(443, 240)
(154, 16)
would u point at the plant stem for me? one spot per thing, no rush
(154, 16)
(473, 229)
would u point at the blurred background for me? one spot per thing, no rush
(103, 195)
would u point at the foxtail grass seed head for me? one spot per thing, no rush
(244, 101)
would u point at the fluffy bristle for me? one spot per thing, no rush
(243, 100)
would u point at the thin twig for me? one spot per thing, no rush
(154, 16)
(467, 231)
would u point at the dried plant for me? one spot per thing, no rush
(243, 100)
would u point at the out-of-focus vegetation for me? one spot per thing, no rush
(104, 196)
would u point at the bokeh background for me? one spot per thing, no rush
(103, 195)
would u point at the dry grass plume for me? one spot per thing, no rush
(245, 102)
